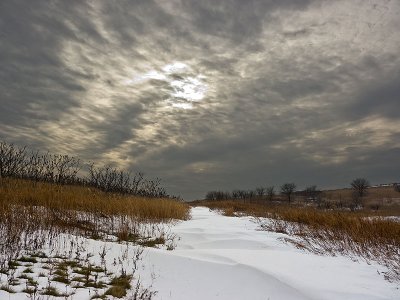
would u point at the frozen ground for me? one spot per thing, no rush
(221, 257)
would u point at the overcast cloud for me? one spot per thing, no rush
(208, 94)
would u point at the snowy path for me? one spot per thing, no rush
(221, 257)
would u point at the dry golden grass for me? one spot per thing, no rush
(385, 195)
(33, 214)
(362, 225)
(78, 198)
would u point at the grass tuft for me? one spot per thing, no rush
(116, 291)
(61, 279)
(27, 259)
(153, 242)
(53, 291)
(29, 290)
(120, 286)
(27, 270)
(8, 289)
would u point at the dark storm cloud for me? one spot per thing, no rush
(207, 94)
(34, 86)
(237, 20)
(383, 99)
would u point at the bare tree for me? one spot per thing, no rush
(396, 187)
(12, 160)
(260, 191)
(16, 162)
(66, 168)
(236, 194)
(359, 186)
(251, 194)
(311, 192)
(270, 193)
(288, 189)
(136, 182)
(218, 195)
(241, 194)
(210, 195)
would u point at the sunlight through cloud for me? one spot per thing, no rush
(174, 67)
(182, 105)
(186, 88)
(192, 89)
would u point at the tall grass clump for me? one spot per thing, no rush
(69, 199)
(372, 238)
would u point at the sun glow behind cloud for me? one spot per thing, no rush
(186, 89)
(191, 88)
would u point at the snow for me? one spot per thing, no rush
(387, 218)
(222, 257)
(218, 257)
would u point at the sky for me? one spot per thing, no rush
(208, 94)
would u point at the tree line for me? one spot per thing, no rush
(287, 190)
(359, 188)
(20, 162)
(268, 193)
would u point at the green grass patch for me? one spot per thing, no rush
(23, 276)
(86, 271)
(27, 259)
(61, 272)
(27, 270)
(77, 286)
(123, 280)
(98, 285)
(120, 286)
(97, 269)
(29, 290)
(71, 263)
(116, 291)
(153, 242)
(13, 264)
(79, 279)
(15, 282)
(125, 236)
(32, 282)
(8, 289)
(39, 255)
(98, 296)
(47, 267)
(52, 291)
(61, 279)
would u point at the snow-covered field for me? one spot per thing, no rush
(220, 257)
